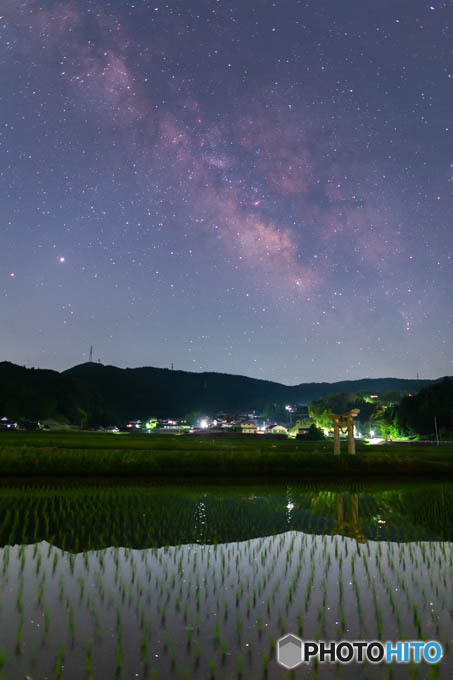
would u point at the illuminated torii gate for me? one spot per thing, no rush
(345, 423)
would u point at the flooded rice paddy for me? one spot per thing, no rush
(137, 581)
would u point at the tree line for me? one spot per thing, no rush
(394, 414)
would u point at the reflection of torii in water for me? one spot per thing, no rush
(345, 423)
(347, 523)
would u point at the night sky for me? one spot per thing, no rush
(246, 186)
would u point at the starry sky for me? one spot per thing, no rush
(262, 187)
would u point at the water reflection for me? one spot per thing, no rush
(140, 516)
(347, 518)
(200, 582)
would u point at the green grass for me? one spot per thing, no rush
(87, 454)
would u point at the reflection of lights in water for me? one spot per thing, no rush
(289, 510)
(201, 519)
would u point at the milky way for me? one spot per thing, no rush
(246, 186)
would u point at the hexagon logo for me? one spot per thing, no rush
(289, 651)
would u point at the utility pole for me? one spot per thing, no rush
(435, 427)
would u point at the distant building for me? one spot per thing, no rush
(277, 429)
(170, 429)
(132, 425)
(6, 424)
(248, 428)
(29, 425)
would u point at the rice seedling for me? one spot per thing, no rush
(119, 659)
(196, 649)
(89, 661)
(72, 626)
(59, 663)
(223, 649)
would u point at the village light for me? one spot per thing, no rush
(204, 424)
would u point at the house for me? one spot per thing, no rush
(277, 429)
(248, 428)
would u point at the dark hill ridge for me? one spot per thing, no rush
(98, 394)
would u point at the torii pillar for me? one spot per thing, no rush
(346, 420)
(336, 433)
(347, 523)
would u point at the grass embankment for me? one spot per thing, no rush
(102, 455)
